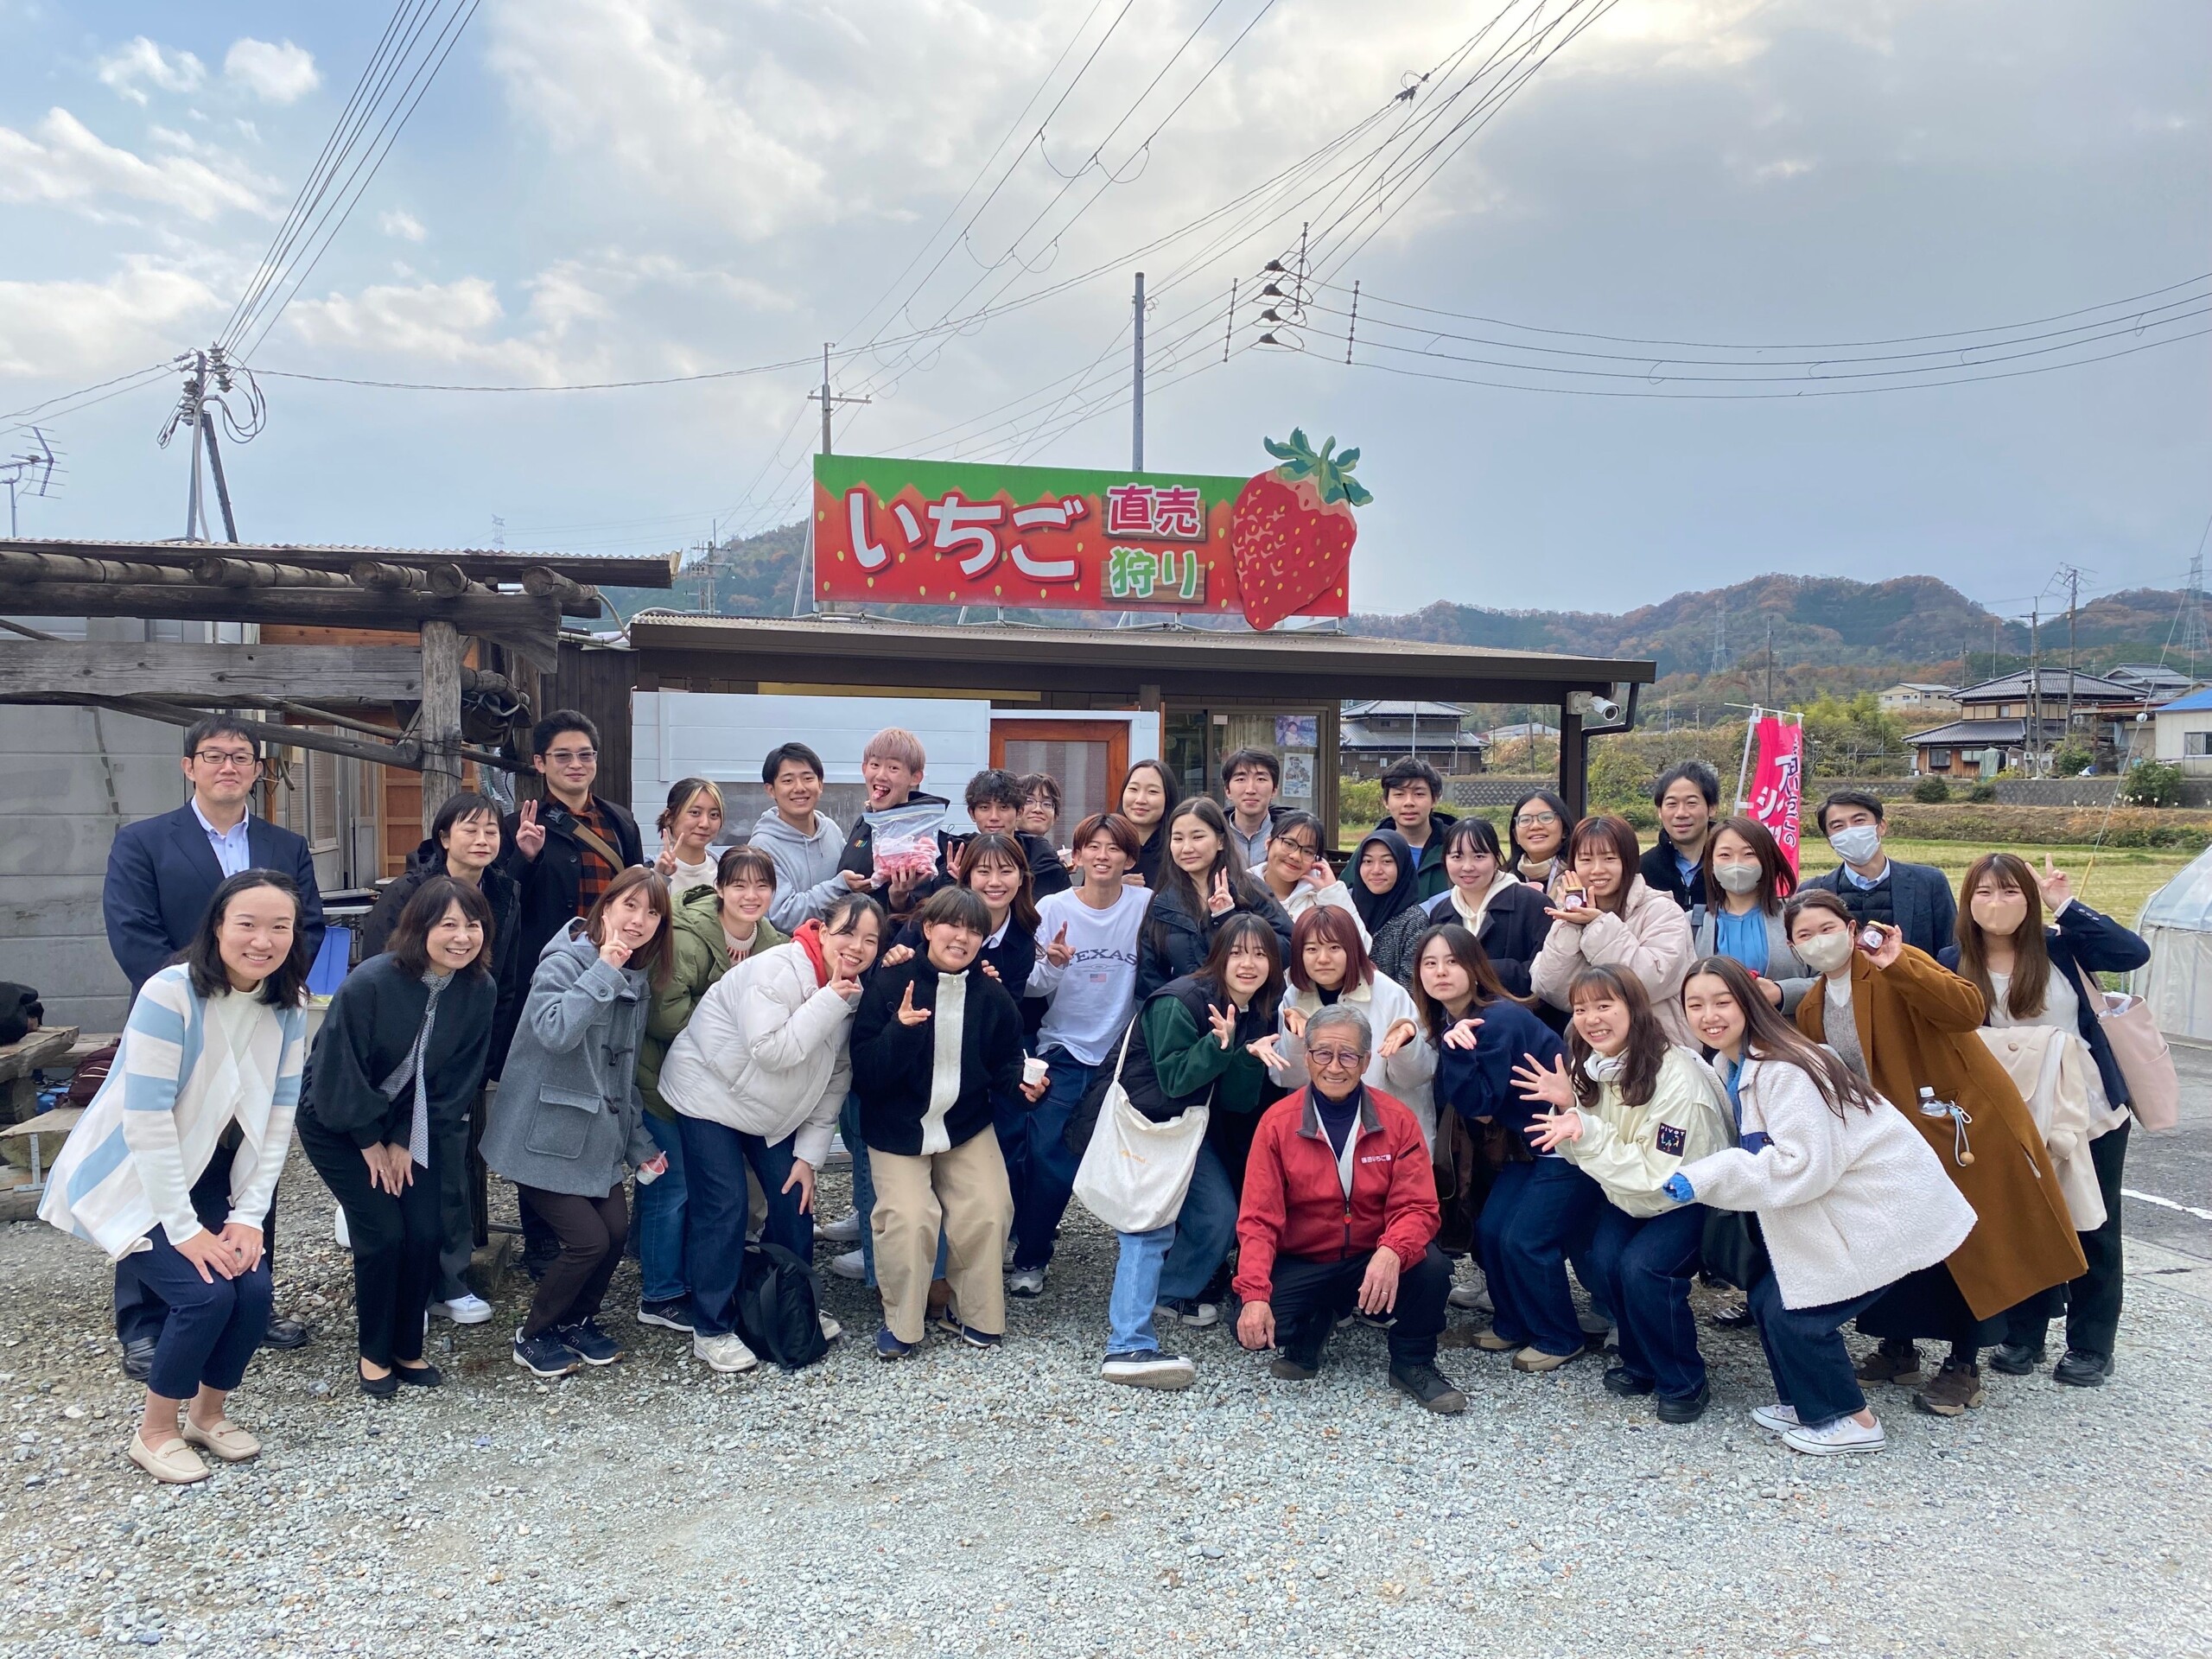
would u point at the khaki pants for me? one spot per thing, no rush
(963, 1192)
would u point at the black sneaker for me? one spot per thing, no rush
(1734, 1318)
(1292, 1370)
(1684, 1409)
(2080, 1369)
(2017, 1358)
(545, 1355)
(284, 1332)
(592, 1343)
(1430, 1387)
(674, 1314)
(1619, 1380)
(1149, 1369)
(138, 1358)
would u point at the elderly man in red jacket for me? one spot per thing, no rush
(1340, 1212)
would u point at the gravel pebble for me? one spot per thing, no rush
(1010, 1503)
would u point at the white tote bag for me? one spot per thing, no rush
(1134, 1172)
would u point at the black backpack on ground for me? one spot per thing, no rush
(779, 1308)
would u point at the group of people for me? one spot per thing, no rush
(1556, 1051)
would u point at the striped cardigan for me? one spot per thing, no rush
(151, 1130)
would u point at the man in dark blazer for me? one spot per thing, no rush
(161, 872)
(1915, 899)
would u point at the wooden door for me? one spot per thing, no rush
(1089, 757)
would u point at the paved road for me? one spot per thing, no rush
(2177, 1167)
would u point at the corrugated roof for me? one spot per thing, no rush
(496, 563)
(2195, 703)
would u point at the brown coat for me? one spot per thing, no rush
(1917, 1025)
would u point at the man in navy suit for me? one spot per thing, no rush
(1915, 899)
(161, 874)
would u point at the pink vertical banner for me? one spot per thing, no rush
(1778, 791)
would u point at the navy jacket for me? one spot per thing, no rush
(2084, 943)
(161, 874)
(1660, 871)
(1918, 902)
(1479, 1082)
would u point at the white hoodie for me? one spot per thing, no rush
(806, 867)
(768, 1051)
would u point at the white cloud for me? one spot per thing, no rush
(399, 222)
(450, 323)
(278, 74)
(63, 161)
(123, 69)
(71, 330)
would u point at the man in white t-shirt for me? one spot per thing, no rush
(1087, 965)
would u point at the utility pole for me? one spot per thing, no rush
(1769, 662)
(2072, 603)
(1136, 403)
(195, 384)
(805, 591)
(2035, 689)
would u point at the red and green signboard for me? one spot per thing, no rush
(893, 531)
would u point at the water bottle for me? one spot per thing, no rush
(1932, 1108)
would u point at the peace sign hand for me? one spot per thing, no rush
(2057, 889)
(1220, 901)
(1224, 1025)
(529, 833)
(908, 1014)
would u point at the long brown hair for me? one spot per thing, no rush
(1239, 928)
(1195, 895)
(1768, 1036)
(2029, 991)
(658, 960)
(1619, 834)
(1647, 1039)
(990, 844)
(1467, 951)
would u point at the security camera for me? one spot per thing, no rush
(1601, 710)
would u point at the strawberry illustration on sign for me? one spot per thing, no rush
(1292, 531)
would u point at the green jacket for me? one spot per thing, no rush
(702, 958)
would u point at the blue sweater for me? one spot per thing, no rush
(1479, 1082)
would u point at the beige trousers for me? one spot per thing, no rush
(963, 1192)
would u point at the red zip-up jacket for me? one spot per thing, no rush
(1294, 1202)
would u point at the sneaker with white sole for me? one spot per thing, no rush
(1833, 1439)
(726, 1353)
(851, 1265)
(1026, 1282)
(673, 1314)
(1149, 1370)
(845, 1229)
(1776, 1419)
(1476, 1297)
(471, 1309)
(831, 1329)
(1200, 1316)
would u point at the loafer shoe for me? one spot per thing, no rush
(1491, 1343)
(419, 1377)
(172, 1463)
(225, 1440)
(287, 1332)
(1686, 1408)
(1619, 1380)
(2017, 1358)
(138, 1358)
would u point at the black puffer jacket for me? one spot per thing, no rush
(1172, 943)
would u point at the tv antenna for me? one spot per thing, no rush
(28, 471)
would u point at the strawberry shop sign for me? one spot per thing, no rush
(1275, 545)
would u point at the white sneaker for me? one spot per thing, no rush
(1200, 1316)
(851, 1265)
(845, 1229)
(1476, 1297)
(1835, 1439)
(471, 1309)
(345, 1233)
(1776, 1419)
(726, 1353)
(1030, 1281)
(831, 1329)
(1152, 1370)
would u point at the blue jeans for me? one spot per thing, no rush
(1173, 1262)
(212, 1329)
(658, 1224)
(1643, 1268)
(1038, 1166)
(1534, 1213)
(717, 1158)
(1804, 1350)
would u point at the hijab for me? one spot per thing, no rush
(1377, 909)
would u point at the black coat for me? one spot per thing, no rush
(367, 1036)
(892, 1063)
(1013, 956)
(2084, 943)
(506, 900)
(1152, 854)
(1513, 930)
(1172, 943)
(552, 883)
(1046, 874)
(1661, 872)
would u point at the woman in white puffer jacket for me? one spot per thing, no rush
(757, 1078)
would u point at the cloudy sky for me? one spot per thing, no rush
(957, 192)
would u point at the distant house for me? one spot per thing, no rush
(1520, 732)
(2021, 718)
(1373, 735)
(1917, 699)
(2184, 732)
(2154, 680)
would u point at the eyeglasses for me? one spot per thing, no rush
(245, 760)
(572, 757)
(1299, 847)
(1337, 1059)
(1529, 820)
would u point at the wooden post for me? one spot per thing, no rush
(440, 726)
(1574, 763)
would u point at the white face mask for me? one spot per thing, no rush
(1858, 844)
(1825, 952)
(1738, 879)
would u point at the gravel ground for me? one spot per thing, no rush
(1011, 1503)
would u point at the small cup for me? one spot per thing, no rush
(1034, 1070)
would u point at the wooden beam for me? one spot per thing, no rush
(405, 753)
(155, 669)
(525, 624)
(258, 573)
(440, 720)
(657, 570)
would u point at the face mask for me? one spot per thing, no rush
(1825, 952)
(1602, 1068)
(1736, 878)
(2000, 916)
(1858, 844)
